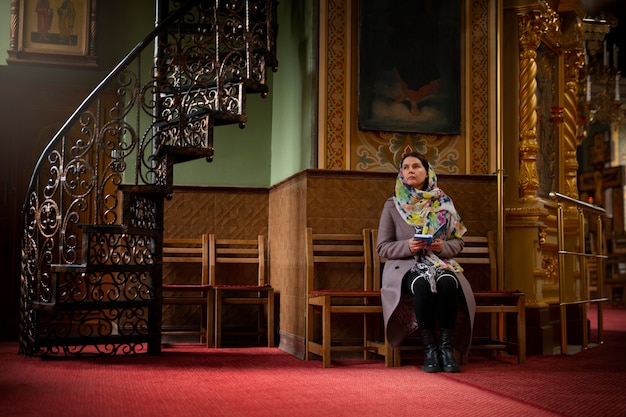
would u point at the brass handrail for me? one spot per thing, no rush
(558, 197)
(600, 212)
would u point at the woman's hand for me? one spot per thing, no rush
(416, 245)
(437, 245)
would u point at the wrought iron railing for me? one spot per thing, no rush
(91, 245)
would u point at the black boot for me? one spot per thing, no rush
(431, 353)
(447, 353)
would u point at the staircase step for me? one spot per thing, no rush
(112, 344)
(114, 248)
(249, 85)
(147, 189)
(254, 87)
(101, 305)
(196, 102)
(198, 109)
(97, 286)
(118, 229)
(180, 154)
(106, 268)
(188, 138)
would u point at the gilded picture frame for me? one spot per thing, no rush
(53, 32)
(410, 66)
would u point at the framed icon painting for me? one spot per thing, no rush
(409, 66)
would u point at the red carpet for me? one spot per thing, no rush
(192, 380)
(588, 383)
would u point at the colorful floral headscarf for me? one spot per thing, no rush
(430, 211)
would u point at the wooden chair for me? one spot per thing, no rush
(481, 250)
(339, 281)
(234, 287)
(196, 289)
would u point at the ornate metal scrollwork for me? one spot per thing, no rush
(93, 216)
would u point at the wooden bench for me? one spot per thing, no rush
(481, 250)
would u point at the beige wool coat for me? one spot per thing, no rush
(393, 233)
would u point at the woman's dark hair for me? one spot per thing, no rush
(424, 161)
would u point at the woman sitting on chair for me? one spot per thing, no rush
(423, 287)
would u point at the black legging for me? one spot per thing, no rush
(429, 307)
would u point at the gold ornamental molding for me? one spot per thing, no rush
(334, 84)
(534, 26)
(525, 216)
(551, 26)
(478, 88)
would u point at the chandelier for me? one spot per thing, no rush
(600, 77)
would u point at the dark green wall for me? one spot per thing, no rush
(276, 140)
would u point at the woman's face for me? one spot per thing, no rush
(414, 172)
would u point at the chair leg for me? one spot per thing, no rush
(218, 318)
(204, 323)
(259, 321)
(210, 324)
(387, 351)
(390, 354)
(397, 357)
(366, 337)
(309, 331)
(521, 331)
(326, 333)
(270, 318)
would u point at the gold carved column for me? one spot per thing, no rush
(540, 129)
(531, 28)
(532, 264)
(574, 60)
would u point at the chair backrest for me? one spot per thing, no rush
(480, 250)
(188, 251)
(237, 252)
(338, 248)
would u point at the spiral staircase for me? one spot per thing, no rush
(91, 269)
